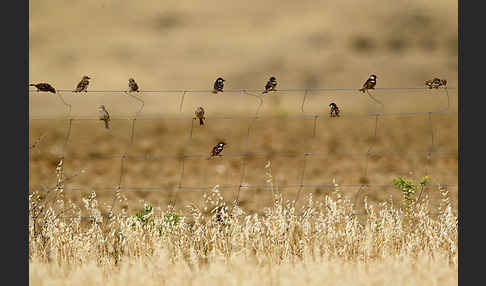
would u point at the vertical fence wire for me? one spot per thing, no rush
(306, 154)
(247, 141)
(181, 174)
(364, 179)
(117, 190)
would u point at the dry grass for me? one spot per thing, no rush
(264, 240)
(324, 242)
(157, 271)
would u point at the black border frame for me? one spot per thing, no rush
(15, 23)
(15, 75)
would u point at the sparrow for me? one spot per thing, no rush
(105, 116)
(435, 83)
(200, 114)
(221, 215)
(369, 84)
(217, 149)
(132, 85)
(43, 86)
(271, 85)
(218, 85)
(334, 110)
(83, 84)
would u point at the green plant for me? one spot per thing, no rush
(172, 219)
(409, 190)
(145, 215)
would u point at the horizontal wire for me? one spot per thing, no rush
(243, 90)
(266, 186)
(251, 117)
(269, 154)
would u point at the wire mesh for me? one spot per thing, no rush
(246, 152)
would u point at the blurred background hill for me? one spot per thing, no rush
(180, 44)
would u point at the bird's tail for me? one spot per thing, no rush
(32, 84)
(107, 124)
(362, 90)
(201, 122)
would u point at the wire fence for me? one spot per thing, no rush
(246, 153)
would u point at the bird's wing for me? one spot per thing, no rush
(80, 85)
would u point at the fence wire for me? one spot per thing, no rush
(245, 154)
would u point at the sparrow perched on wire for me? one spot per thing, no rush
(369, 84)
(43, 86)
(200, 114)
(132, 85)
(217, 149)
(271, 85)
(435, 83)
(105, 116)
(83, 84)
(334, 110)
(218, 85)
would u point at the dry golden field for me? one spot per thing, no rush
(185, 46)
(324, 245)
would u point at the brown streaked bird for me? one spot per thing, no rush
(369, 84)
(271, 85)
(132, 85)
(105, 116)
(217, 149)
(435, 83)
(83, 84)
(218, 85)
(221, 215)
(334, 110)
(43, 86)
(200, 115)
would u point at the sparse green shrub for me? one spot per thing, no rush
(172, 219)
(409, 190)
(145, 215)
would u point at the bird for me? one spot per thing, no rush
(435, 83)
(271, 85)
(369, 84)
(132, 85)
(43, 86)
(83, 84)
(334, 110)
(217, 149)
(218, 85)
(200, 114)
(105, 116)
(221, 215)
